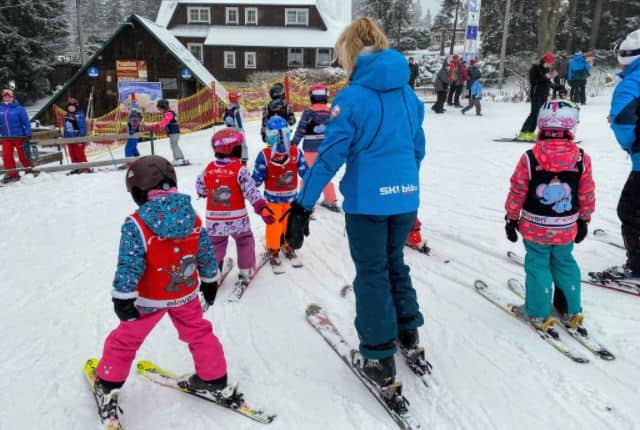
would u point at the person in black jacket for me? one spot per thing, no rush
(277, 106)
(414, 72)
(541, 81)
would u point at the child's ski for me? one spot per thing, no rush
(90, 373)
(585, 340)
(161, 376)
(551, 336)
(390, 397)
(516, 258)
(241, 285)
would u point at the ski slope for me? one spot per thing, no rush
(59, 246)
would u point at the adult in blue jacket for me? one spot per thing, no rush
(14, 128)
(579, 70)
(376, 128)
(625, 122)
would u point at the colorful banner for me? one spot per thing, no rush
(471, 34)
(147, 94)
(131, 70)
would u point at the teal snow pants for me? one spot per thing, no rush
(385, 298)
(545, 265)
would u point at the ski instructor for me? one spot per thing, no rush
(376, 127)
(625, 122)
(540, 81)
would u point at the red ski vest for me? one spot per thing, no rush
(225, 201)
(171, 277)
(282, 179)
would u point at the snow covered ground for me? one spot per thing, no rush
(59, 243)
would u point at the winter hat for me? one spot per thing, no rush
(474, 62)
(233, 97)
(629, 49)
(548, 58)
(72, 101)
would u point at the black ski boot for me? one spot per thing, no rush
(413, 353)
(107, 395)
(409, 339)
(381, 372)
(216, 389)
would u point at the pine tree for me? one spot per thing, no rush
(31, 35)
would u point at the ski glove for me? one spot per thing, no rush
(209, 290)
(511, 227)
(298, 225)
(264, 211)
(126, 309)
(583, 229)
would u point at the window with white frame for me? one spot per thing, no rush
(229, 59)
(232, 15)
(295, 57)
(197, 50)
(250, 60)
(296, 16)
(323, 57)
(251, 16)
(198, 15)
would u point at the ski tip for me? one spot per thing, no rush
(605, 355)
(480, 285)
(514, 282)
(345, 290)
(313, 309)
(92, 362)
(511, 254)
(143, 366)
(598, 231)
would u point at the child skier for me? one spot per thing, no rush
(171, 126)
(311, 128)
(279, 166)
(233, 118)
(474, 100)
(550, 201)
(133, 127)
(226, 183)
(277, 106)
(165, 257)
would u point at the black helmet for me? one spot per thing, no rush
(277, 91)
(162, 104)
(147, 173)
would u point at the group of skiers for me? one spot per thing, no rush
(450, 80)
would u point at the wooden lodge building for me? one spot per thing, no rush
(233, 38)
(138, 50)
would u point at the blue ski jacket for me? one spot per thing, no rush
(579, 69)
(625, 112)
(14, 120)
(376, 128)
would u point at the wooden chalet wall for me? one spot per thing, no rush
(134, 42)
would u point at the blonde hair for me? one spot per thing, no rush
(362, 32)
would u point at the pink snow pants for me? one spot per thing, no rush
(122, 343)
(245, 245)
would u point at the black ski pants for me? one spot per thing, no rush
(439, 105)
(531, 122)
(578, 94)
(454, 95)
(629, 214)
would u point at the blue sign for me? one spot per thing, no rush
(474, 5)
(93, 72)
(472, 32)
(185, 73)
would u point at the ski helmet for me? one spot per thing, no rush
(233, 97)
(278, 134)
(277, 91)
(147, 173)
(559, 115)
(629, 48)
(228, 121)
(226, 140)
(162, 104)
(319, 93)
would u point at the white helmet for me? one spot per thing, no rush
(558, 115)
(629, 49)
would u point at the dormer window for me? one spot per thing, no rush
(232, 15)
(198, 15)
(298, 17)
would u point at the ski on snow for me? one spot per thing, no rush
(163, 377)
(242, 284)
(552, 337)
(619, 286)
(90, 372)
(390, 397)
(587, 341)
(602, 236)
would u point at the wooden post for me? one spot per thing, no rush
(503, 47)
(214, 102)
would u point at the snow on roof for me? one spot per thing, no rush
(190, 30)
(167, 8)
(183, 55)
(294, 37)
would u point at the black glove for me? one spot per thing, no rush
(298, 225)
(583, 229)
(125, 309)
(511, 227)
(209, 290)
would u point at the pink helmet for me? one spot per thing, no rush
(319, 93)
(558, 115)
(226, 140)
